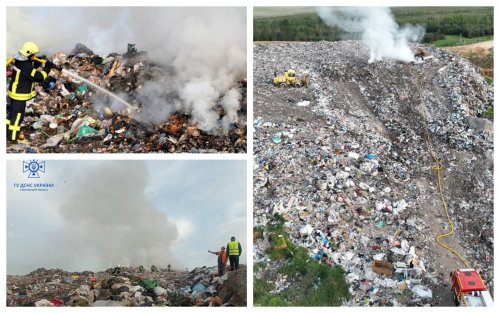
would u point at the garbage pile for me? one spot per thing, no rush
(345, 163)
(69, 115)
(128, 286)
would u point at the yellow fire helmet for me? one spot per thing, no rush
(29, 48)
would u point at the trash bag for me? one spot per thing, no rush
(198, 288)
(149, 284)
(85, 131)
(57, 302)
(422, 291)
(43, 303)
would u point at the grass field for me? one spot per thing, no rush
(313, 283)
(453, 40)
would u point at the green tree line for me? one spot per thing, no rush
(439, 21)
(302, 27)
(468, 22)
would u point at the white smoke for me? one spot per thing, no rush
(201, 47)
(109, 220)
(230, 103)
(377, 28)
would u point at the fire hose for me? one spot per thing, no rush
(437, 168)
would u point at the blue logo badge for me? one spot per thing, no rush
(33, 167)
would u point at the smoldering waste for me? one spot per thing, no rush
(69, 115)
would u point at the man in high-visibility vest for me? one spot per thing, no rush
(234, 251)
(21, 87)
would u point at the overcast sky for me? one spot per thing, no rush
(100, 214)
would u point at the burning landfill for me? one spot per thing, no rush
(128, 286)
(345, 163)
(186, 94)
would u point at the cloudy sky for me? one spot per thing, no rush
(101, 214)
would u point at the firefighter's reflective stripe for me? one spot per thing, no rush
(8, 122)
(33, 72)
(13, 94)
(16, 81)
(23, 96)
(16, 127)
(233, 248)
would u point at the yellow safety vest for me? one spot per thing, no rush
(233, 248)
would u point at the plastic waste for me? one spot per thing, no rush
(422, 291)
(57, 302)
(198, 289)
(380, 224)
(85, 130)
(276, 138)
(43, 303)
(159, 291)
(149, 284)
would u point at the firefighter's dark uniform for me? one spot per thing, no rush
(21, 89)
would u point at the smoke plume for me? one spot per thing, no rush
(109, 221)
(204, 50)
(377, 28)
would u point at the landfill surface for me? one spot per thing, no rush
(70, 116)
(128, 286)
(345, 160)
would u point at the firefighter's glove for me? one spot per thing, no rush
(48, 66)
(37, 64)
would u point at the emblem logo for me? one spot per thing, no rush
(33, 167)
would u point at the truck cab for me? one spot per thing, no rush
(469, 289)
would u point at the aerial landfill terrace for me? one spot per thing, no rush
(128, 286)
(69, 115)
(345, 165)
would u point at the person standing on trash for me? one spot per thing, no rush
(234, 251)
(21, 87)
(221, 260)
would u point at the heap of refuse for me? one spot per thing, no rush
(70, 116)
(345, 163)
(128, 286)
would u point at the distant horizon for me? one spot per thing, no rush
(146, 269)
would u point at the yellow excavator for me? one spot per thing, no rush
(289, 78)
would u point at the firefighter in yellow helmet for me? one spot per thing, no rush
(234, 252)
(21, 87)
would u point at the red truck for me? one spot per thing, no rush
(469, 289)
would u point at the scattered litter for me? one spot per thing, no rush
(355, 183)
(123, 286)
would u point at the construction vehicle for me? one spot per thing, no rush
(290, 79)
(469, 289)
